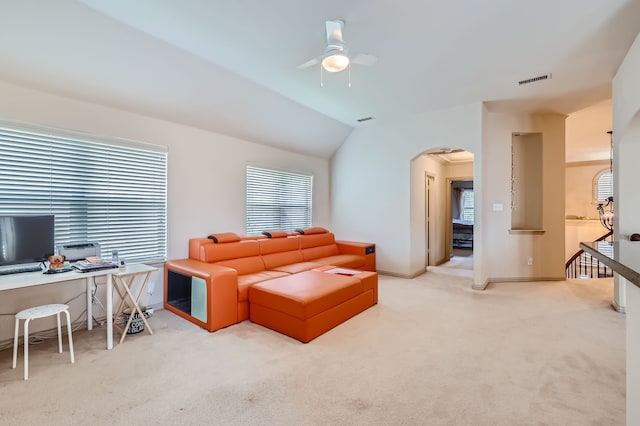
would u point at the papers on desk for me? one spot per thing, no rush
(87, 266)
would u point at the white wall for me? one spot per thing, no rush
(206, 177)
(507, 253)
(626, 140)
(371, 180)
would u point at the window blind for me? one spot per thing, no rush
(278, 200)
(467, 204)
(111, 192)
(604, 186)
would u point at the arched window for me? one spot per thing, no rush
(602, 186)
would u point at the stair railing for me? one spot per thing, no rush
(583, 265)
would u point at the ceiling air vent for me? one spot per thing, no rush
(360, 120)
(534, 79)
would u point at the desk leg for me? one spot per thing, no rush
(109, 311)
(89, 305)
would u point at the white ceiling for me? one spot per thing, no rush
(230, 66)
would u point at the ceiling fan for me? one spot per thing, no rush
(446, 151)
(337, 56)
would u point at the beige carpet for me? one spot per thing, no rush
(432, 352)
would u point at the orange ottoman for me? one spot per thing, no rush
(308, 304)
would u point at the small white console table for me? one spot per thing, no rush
(32, 279)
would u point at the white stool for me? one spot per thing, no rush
(40, 312)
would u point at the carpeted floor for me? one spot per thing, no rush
(432, 352)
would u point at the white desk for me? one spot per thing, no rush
(32, 279)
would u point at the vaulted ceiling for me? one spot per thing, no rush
(231, 66)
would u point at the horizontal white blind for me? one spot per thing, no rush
(110, 193)
(278, 200)
(467, 204)
(604, 186)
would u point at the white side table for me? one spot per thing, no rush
(124, 280)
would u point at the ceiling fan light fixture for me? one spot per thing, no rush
(336, 62)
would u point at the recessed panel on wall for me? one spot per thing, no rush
(526, 181)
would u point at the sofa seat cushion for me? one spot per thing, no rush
(294, 268)
(306, 294)
(353, 261)
(246, 281)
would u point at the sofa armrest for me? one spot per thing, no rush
(221, 299)
(363, 249)
(351, 247)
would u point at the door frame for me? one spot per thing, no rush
(448, 235)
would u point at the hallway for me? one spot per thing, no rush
(460, 264)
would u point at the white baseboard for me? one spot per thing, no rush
(406, 276)
(480, 287)
(618, 308)
(523, 280)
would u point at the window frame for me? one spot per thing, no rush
(596, 186)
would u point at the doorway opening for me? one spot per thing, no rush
(448, 210)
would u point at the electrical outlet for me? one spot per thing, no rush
(151, 287)
(530, 261)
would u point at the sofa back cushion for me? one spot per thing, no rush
(224, 237)
(244, 265)
(311, 231)
(218, 252)
(196, 248)
(276, 234)
(280, 251)
(243, 256)
(315, 246)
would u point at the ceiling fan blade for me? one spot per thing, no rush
(363, 59)
(447, 151)
(309, 63)
(334, 32)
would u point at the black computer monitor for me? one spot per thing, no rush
(26, 239)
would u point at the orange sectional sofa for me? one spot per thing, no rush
(211, 287)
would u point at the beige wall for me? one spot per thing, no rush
(511, 251)
(579, 203)
(420, 167)
(579, 188)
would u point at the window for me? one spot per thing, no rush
(467, 205)
(603, 186)
(277, 199)
(105, 190)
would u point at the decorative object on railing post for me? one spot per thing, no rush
(605, 210)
